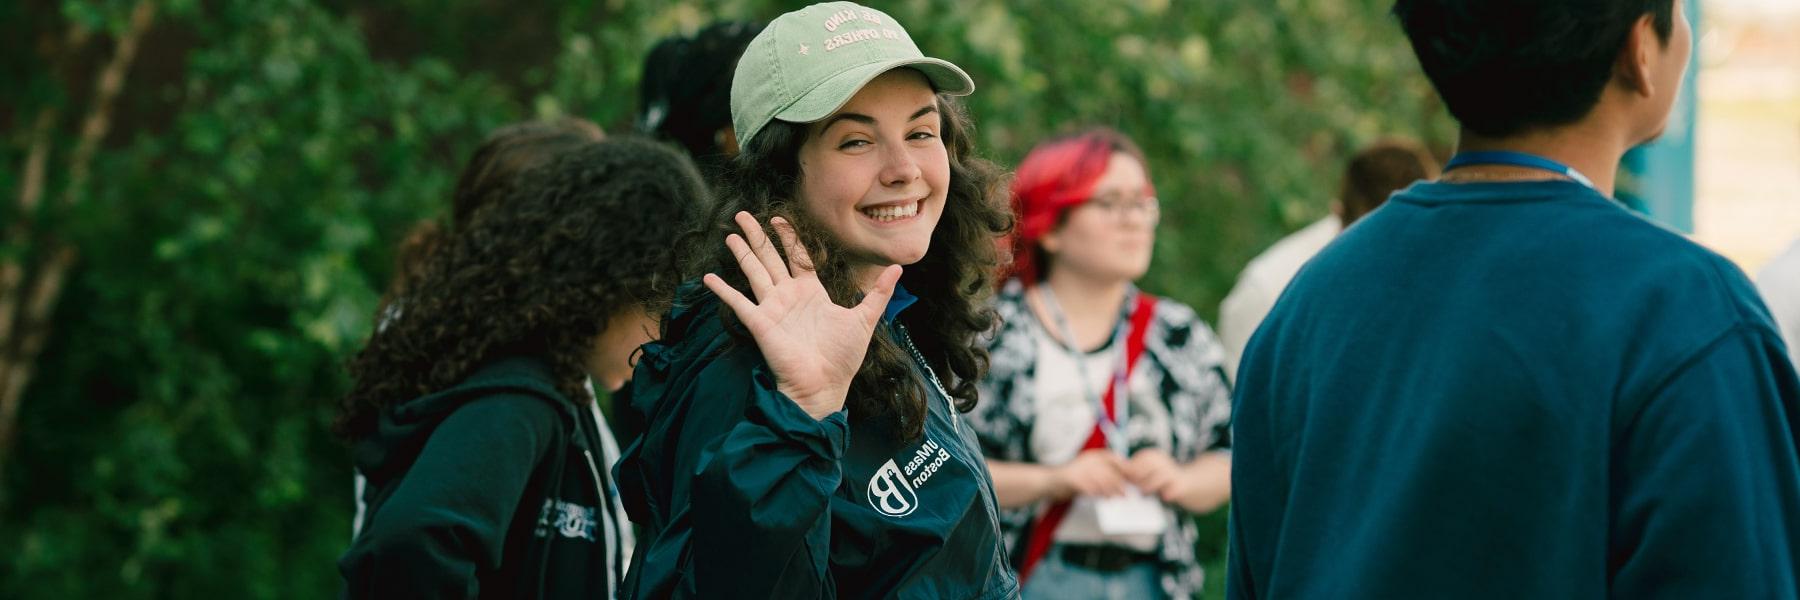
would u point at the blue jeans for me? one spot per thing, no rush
(1054, 579)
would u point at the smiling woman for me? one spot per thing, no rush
(874, 175)
(803, 431)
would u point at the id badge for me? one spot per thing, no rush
(1131, 514)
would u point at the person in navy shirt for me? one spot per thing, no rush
(1502, 384)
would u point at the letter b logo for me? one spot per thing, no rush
(891, 493)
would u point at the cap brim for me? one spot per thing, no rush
(833, 93)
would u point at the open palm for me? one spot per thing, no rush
(813, 345)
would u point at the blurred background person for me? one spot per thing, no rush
(472, 413)
(685, 93)
(1105, 413)
(1372, 175)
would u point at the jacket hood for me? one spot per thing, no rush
(403, 428)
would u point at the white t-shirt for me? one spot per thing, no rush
(1261, 284)
(1779, 283)
(1065, 418)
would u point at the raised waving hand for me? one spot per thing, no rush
(813, 345)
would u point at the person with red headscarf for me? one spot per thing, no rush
(1105, 413)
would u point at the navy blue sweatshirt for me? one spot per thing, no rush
(1515, 390)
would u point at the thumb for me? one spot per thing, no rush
(875, 300)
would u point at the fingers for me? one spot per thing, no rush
(733, 298)
(764, 250)
(1089, 484)
(1109, 458)
(1136, 471)
(1111, 484)
(875, 301)
(1102, 455)
(1147, 462)
(754, 271)
(1141, 466)
(1098, 473)
(1154, 472)
(1157, 482)
(799, 260)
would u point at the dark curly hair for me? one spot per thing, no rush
(507, 152)
(538, 273)
(953, 281)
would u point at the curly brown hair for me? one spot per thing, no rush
(539, 273)
(507, 152)
(953, 281)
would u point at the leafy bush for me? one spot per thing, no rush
(237, 219)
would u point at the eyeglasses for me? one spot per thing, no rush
(1120, 206)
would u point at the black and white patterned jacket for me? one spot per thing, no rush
(1182, 356)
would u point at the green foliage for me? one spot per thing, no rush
(268, 154)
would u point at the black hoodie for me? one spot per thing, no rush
(488, 489)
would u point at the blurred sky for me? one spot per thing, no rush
(1765, 7)
(1747, 205)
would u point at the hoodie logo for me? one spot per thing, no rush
(565, 518)
(891, 493)
(894, 491)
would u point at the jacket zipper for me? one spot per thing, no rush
(987, 500)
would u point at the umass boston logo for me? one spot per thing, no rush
(894, 491)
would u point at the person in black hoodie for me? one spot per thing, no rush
(468, 413)
(506, 153)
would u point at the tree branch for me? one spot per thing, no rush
(46, 285)
(18, 372)
(18, 235)
(106, 90)
(31, 194)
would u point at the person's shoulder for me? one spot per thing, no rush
(1175, 312)
(1615, 256)
(1014, 314)
(1668, 262)
(1170, 311)
(1178, 326)
(518, 407)
(1279, 262)
(1668, 296)
(1009, 302)
(518, 384)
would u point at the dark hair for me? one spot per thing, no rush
(1056, 176)
(1504, 67)
(507, 152)
(685, 93)
(1378, 171)
(952, 281)
(538, 273)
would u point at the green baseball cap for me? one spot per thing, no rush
(806, 64)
